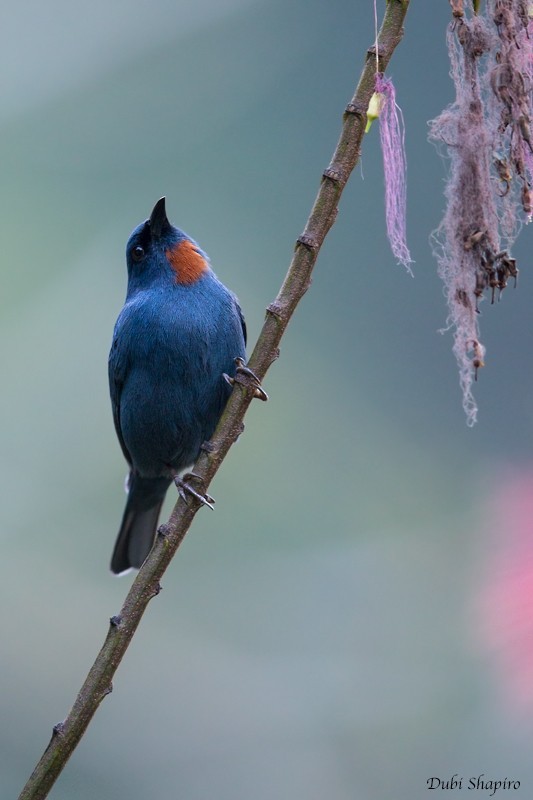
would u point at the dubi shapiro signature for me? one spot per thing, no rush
(479, 783)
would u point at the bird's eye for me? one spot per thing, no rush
(138, 253)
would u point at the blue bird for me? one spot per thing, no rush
(180, 330)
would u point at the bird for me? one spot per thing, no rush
(177, 344)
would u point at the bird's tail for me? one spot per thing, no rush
(137, 531)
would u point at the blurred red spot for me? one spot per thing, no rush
(506, 596)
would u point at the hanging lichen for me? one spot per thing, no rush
(487, 135)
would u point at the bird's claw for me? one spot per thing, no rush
(247, 378)
(184, 487)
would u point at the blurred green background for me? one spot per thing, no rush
(320, 634)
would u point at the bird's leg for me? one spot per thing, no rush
(247, 378)
(184, 486)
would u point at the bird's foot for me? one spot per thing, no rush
(184, 487)
(247, 378)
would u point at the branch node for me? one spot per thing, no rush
(58, 729)
(237, 431)
(357, 109)
(276, 310)
(156, 589)
(308, 240)
(163, 530)
(115, 621)
(208, 447)
(371, 54)
(334, 174)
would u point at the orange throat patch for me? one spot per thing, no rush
(187, 262)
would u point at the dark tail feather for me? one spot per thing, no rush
(137, 531)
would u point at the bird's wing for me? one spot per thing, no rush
(241, 317)
(117, 375)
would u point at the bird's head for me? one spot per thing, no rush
(156, 249)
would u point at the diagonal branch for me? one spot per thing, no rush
(66, 735)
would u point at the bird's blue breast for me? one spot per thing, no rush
(172, 344)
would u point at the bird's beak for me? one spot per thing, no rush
(158, 219)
